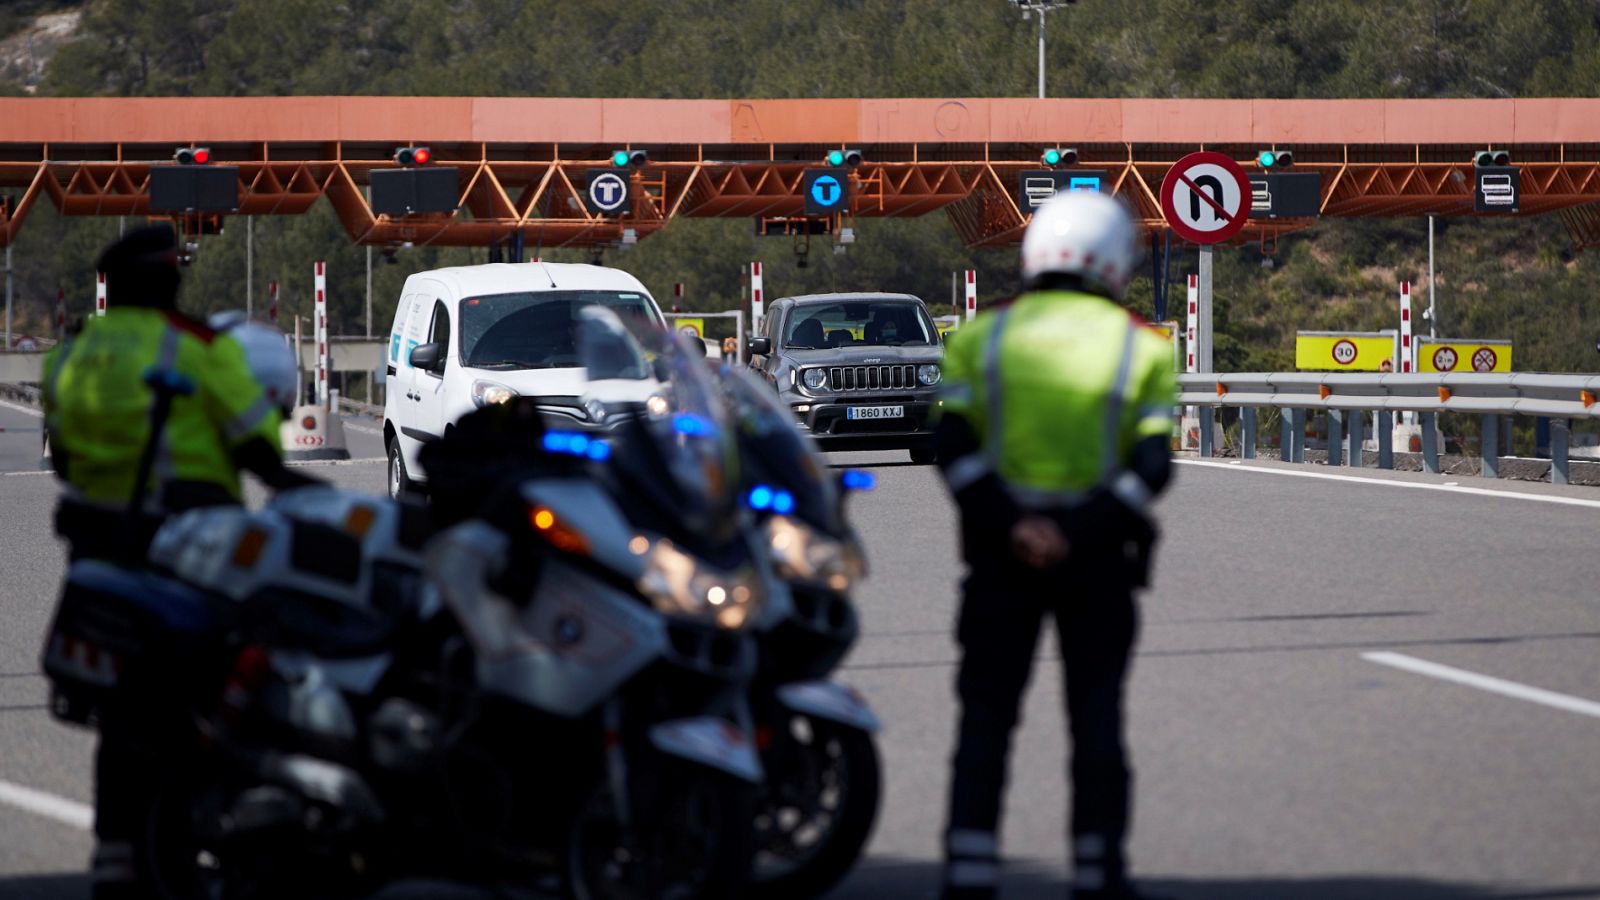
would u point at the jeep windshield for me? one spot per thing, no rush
(539, 330)
(858, 323)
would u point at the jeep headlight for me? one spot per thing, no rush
(928, 374)
(488, 393)
(816, 378)
(678, 584)
(802, 555)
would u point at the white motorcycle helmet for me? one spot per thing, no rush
(267, 352)
(1085, 234)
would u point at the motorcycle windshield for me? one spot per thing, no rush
(682, 452)
(781, 459)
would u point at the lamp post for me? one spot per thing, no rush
(1029, 7)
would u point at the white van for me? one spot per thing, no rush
(470, 336)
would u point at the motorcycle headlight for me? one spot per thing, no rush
(928, 374)
(678, 584)
(816, 378)
(802, 555)
(488, 393)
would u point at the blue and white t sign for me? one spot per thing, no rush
(826, 191)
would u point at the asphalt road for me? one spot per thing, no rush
(1274, 760)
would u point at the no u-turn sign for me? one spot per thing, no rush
(1205, 197)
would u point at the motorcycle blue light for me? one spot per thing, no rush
(684, 423)
(857, 480)
(783, 503)
(760, 497)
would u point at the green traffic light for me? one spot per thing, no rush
(619, 158)
(1052, 157)
(1267, 159)
(836, 158)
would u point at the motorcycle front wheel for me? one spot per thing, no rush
(694, 843)
(817, 808)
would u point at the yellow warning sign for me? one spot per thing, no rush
(1354, 351)
(692, 328)
(1463, 356)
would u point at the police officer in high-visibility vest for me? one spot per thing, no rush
(98, 414)
(1054, 437)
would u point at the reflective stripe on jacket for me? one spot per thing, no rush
(1059, 386)
(97, 406)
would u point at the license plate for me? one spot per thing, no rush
(875, 412)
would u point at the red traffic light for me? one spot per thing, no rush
(413, 156)
(193, 156)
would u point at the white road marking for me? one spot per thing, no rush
(1486, 683)
(28, 472)
(68, 812)
(22, 409)
(363, 429)
(337, 462)
(1448, 487)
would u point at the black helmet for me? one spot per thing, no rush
(141, 268)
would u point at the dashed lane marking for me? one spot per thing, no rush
(1485, 683)
(1447, 487)
(68, 812)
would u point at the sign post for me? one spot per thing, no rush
(100, 294)
(1408, 353)
(972, 294)
(320, 325)
(272, 301)
(1205, 198)
(61, 314)
(758, 307)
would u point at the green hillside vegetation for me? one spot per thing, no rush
(1511, 278)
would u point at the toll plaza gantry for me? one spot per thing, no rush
(525, 167)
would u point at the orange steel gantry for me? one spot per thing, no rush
(522, 162)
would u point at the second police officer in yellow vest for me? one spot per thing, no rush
(1055, 436)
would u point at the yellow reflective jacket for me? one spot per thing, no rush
(97, 406)
(1059, 386)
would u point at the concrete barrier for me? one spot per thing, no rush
(312, 433)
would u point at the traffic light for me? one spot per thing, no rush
(193, 156)
(622, 159)
(1492, 158)
(1275, 159)
(851, 158)
(413, 156)
(1060, 156)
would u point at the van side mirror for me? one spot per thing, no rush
(429, 358)
(760, 346)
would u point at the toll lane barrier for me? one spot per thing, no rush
(312, 433)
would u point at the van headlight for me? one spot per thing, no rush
(803, 556)
(678, 584)
(928, 374)
(489, 393)
(816, 378)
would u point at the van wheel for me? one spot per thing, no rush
(924, 456)
(400, 484)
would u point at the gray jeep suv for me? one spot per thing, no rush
(860, 371)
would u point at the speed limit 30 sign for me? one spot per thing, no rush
(1206, 197)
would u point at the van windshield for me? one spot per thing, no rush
(856, 323)
(539, 330)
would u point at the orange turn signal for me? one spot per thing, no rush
(556, 532)
(248, 550)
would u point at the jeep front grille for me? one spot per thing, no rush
(872, 378)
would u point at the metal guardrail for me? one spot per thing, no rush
(1557, 397)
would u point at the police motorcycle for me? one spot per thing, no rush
(820, 797)
(605, 609)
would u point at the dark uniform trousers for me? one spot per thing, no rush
(1003, 607)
